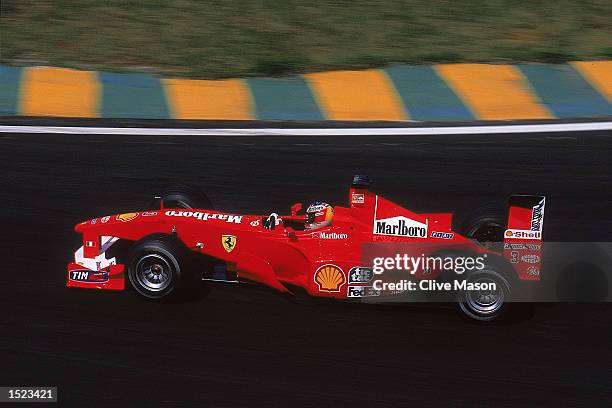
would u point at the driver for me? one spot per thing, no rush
(318, 215)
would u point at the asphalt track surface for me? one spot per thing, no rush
(244, 347)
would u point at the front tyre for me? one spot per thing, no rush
(186, 196)
(489, 302)
(156, 268)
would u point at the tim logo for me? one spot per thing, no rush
(88, 276)
(79, 275)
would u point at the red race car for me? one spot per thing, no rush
(325, 251)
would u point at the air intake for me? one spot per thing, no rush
(361, 181)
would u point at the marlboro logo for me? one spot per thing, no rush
(400, 227)
(204, 216)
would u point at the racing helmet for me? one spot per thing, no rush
(318, 215)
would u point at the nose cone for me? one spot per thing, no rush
(80, 227)
(92, 223)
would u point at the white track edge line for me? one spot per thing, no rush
(397, 131)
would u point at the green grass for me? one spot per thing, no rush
(225, 38)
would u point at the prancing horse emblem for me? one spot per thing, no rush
(228, 242)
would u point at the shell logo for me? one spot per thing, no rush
(509, 233)
(329, 278)
(127, 216)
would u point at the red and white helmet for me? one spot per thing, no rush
(318, 215)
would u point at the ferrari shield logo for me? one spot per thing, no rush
(228, 242)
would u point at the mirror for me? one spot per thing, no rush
(295, 208)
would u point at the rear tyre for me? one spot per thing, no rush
(185, 196)
(485, 304)
(485, 225)
(157, 268)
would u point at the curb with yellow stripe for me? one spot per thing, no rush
(402, 92)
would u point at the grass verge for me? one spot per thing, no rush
(225, 38)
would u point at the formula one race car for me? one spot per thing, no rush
(181, 241)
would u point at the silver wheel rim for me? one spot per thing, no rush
(485, 302)
(153, 272)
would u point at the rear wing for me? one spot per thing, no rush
(523, 235)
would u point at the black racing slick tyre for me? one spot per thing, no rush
(490, 301)
(485, 225)
(184, 196)
(157, 268)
